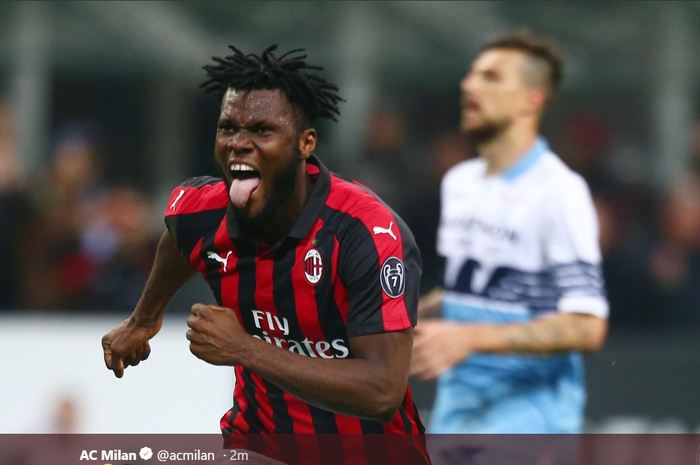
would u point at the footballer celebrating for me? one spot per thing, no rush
(316, 280)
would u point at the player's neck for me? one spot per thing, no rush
(502, 151)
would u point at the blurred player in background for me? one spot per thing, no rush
(316, 279)
(523, 289)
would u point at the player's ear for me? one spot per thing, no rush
(307, 143)
(536, 100)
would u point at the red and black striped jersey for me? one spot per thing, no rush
(348, 267)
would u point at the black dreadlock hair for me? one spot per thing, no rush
(306, 91)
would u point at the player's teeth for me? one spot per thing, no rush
(242, 168)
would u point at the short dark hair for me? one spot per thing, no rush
(538, 49)
(309, 93)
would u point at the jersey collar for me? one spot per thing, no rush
(316, 201)
(309, 213)
(527, 160)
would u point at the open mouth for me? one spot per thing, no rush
(243, 172)
(245, 180)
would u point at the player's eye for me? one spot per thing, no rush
(224, 127)
(490, 76)
(260, 129)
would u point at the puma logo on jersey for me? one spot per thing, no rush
(380, 230)
(217, 257)
(179, 196)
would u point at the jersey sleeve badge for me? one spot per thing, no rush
(392, 277)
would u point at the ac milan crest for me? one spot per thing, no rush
(313, 266)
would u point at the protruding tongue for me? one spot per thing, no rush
(241, 190)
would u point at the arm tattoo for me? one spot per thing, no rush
(538, 340)
(522, 342)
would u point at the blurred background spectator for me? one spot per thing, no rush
(62, 194)
(385, 163)
(12, 209)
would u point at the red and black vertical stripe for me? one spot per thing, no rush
(366, 296)
(285, 295)
(329, 317)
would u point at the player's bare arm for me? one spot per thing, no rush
(440, 345)
(566, 332)
(429, 304)
(371, 385)
(127, 344)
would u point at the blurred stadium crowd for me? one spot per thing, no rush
(75, 237)
(71, 240)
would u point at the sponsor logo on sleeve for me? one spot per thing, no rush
(179, 196)
(380, 230)
(392, 277)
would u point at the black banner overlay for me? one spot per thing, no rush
(350, 449)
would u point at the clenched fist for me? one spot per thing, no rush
(127, 345)
(216, 335)
(439, 346)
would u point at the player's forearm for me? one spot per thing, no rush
(355, 387)
(565, 332)
(429, 304)
(169, 273)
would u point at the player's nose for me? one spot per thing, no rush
(241, 143)
(463, 85)
(468, 86)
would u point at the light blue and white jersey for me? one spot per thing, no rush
(519, 245)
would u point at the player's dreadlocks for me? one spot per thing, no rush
(306, 91)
